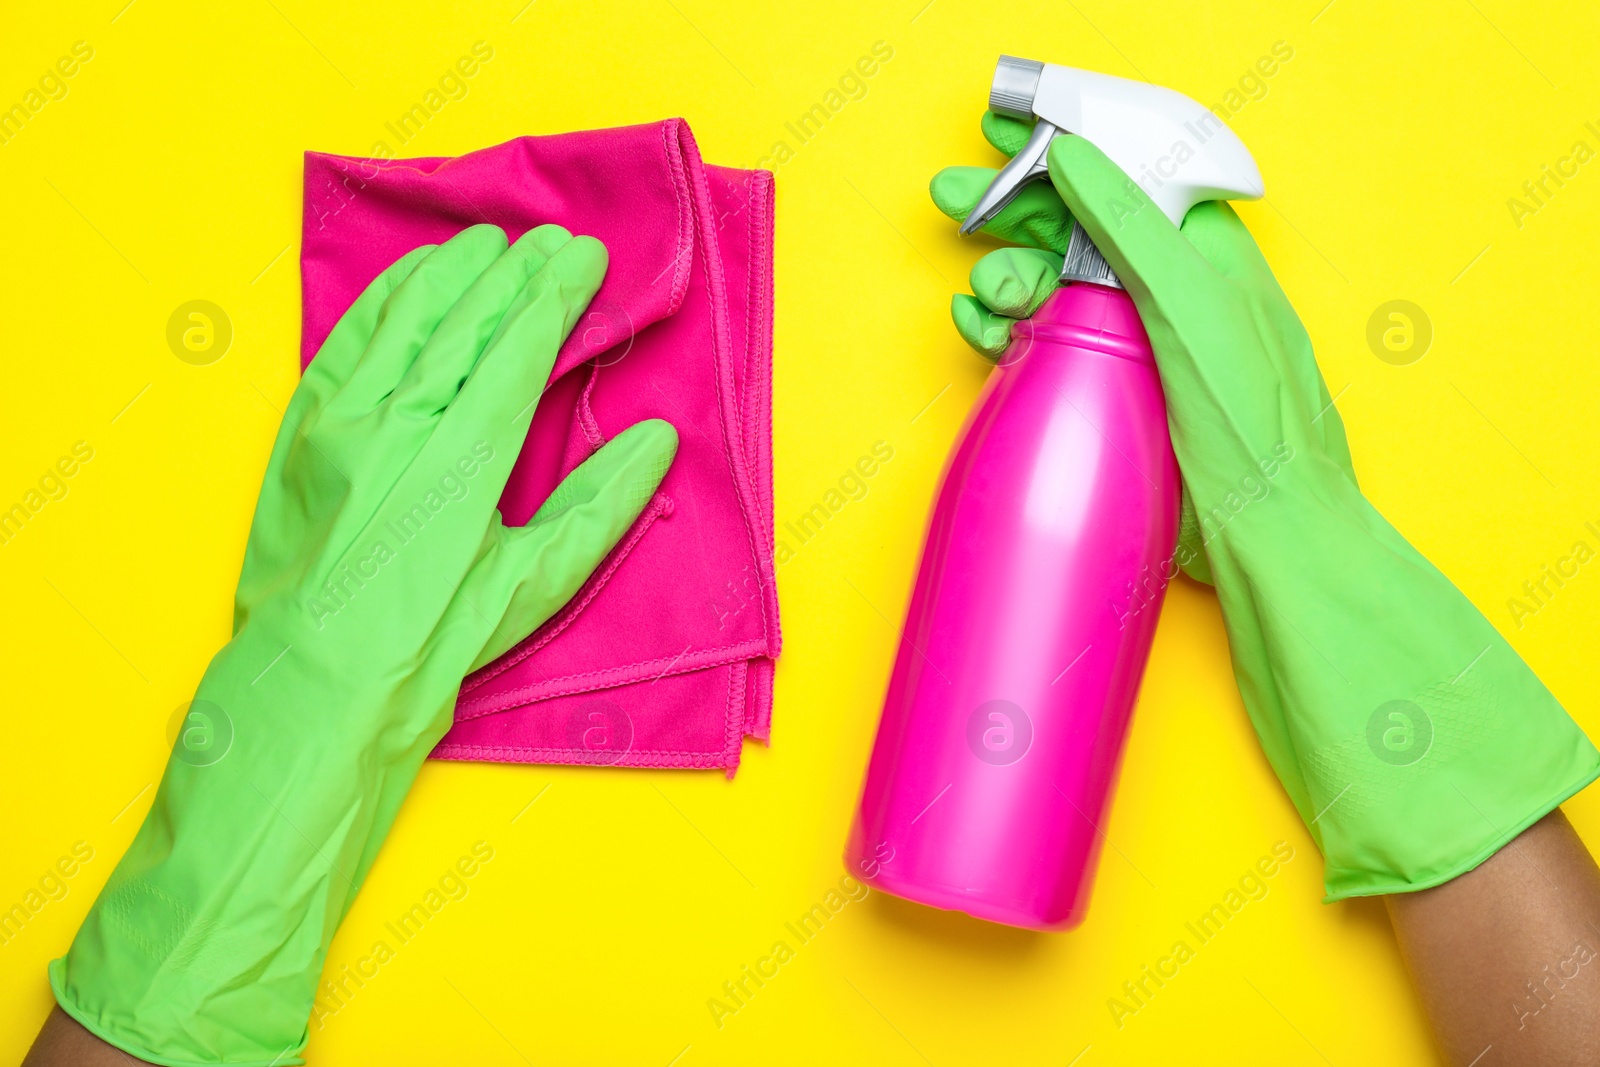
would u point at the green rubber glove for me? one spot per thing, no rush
(376, 576)
(1011, 283)
(1411, 738)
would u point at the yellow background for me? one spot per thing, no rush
(619, 903)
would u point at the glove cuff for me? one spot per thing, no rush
(1412, 739)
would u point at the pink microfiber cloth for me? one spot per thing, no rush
(665, 657)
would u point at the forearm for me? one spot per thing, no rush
(63, 1043)
(1506, 958)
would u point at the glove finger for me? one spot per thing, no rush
(530, 572)
(412, 313)
(504, 387)
(271, 546)
(1159, 266)
(1006, 134)
(450, 353)
(336, 360)
(1036, 217)
(1015, 281)
(986, 332)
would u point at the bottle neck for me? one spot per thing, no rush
(1088, 315)
(1084, 263)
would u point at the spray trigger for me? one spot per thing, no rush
(1181, 152)
(1030, 164)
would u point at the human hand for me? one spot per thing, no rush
(377, 574)
(1412, 739)
(1249, 339)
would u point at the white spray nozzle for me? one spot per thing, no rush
(1177, 151)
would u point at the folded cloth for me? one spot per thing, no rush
(665, 658)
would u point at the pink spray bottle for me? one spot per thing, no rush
(1047, 553)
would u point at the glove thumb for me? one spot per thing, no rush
(528, 573)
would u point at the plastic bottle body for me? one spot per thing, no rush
(1047, 554)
